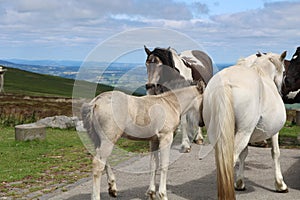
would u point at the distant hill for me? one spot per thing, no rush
(120, 75)
(44, 67)
(49, 77)
(23, 82)
(53, 63)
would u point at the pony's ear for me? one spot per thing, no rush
(259, 54)
(283, 55)
(148, 52)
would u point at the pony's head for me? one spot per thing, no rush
(292, 74)
(160, 69)
(272, 65)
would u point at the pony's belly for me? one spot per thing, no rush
(266, 130)
(272, 118)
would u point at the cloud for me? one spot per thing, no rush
(274, 17)
(275, 27)
(83, 24)
(92, 18)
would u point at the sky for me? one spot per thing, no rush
(73, 29)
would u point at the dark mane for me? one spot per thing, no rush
(165, 55)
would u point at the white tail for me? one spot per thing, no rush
(87, 111)
(222, 110)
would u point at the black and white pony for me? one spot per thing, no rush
(291, 86)
(168, 70)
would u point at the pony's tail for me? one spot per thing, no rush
(87, 113)
(224, 148)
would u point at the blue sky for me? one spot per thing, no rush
(74, 29)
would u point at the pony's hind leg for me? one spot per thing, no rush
(239, 184)
(111, 180)
(279, 183)
(199, 137)
(154, 162)
(98, 168)
(99, 163)
(185, 143)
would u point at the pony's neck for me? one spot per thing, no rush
(264, 69)
(185, 98)
(183, 70)
(268, 69)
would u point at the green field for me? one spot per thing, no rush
(22, 82)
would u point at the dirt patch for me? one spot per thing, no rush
(19, 109)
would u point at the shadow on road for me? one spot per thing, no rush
(292, 175)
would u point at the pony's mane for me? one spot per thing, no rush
(241, 61)
(165, 55)
(247, 60)
(200, 85)
(270, 58)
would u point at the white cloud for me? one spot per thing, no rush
(83, 24)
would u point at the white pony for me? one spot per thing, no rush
(242, 104)
(114, 114)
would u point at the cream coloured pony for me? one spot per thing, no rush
(242, 104)
(114, 114)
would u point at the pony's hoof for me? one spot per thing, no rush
(283, 191)
(163, 197)
(185, 149)
(151, 195)
(112, 193)
(239, 185)
(199, 141)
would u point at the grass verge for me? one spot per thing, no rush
(43, 166)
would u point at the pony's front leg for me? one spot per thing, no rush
(239, 184)
(154, 144)
(111, 180)
(279, 183)
(185, 143)
(164, 146)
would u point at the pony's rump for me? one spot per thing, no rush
(87, 110)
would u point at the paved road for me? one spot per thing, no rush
(194, 179)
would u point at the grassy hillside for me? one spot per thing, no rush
(23, 82)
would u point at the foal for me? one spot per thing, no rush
(114, 114)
